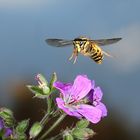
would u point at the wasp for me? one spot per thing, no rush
(85, 46)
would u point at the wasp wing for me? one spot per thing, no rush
(59, 42)
(103, 42)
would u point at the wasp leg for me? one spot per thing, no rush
(75, 59)
(71, 56)
(74, 55)
(75, 52)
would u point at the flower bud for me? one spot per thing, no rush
(83, 123)
(22, 126)
(41, 80)
(7, 115)
(85, 133)
(35, 130)
(43, 83)
(68, 137)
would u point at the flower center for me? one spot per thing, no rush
(73, 100)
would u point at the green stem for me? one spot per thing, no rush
(53, 126)
(57, 137)
(44, 119)
(49, 104)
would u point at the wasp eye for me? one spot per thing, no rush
(80, 42)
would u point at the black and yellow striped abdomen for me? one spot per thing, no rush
(92, 50)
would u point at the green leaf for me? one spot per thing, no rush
(53, 79)
(22, 126)
(35, 89)
(40, 96)
(39, 91)
(83, 123)
(35, 129)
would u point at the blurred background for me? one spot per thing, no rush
(25, 24)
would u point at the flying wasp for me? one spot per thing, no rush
(85, 46)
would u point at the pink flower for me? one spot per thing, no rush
(81, 99)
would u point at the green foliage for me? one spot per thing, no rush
(79, 132)
(38, 92)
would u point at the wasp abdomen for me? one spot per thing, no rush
(96, 54)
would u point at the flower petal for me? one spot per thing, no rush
(91, 113)
(93, 84)
(91, 92)
(64, 88)
(103, 108)
(81, 87)
(90, 96)
(1, 124)
(97, 96)
(8, 132)
(69, 110)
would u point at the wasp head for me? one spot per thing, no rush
(79, 42)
